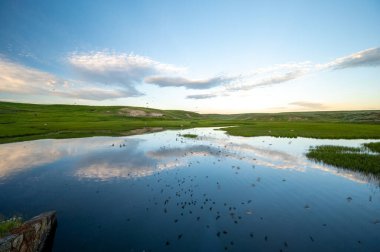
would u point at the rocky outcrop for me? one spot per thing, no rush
(34, 235)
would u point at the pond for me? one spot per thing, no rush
(165, 192)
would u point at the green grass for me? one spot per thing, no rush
(375, 147)
(21, 122)
(348, 157)
(364, 116)
(324, 130)
(190, 135)
(7, 225)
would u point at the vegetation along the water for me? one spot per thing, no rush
(190, 135)
(7, 225)
(20, 122)
(365, 159)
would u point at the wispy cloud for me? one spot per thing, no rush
(19, 79)
(262, 77)
(163, 81)
(93, 93)
(16, 78)
(201, 96)
(365, 58)
(310, 105)
(121, 70)
(274, 79)
(282, 73)
(105, 75)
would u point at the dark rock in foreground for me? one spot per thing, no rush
(36, 234)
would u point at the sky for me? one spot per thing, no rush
(205, 56)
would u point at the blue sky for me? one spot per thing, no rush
(205, 56)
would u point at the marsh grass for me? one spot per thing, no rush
(7, 225)
(359, 159)
(190, 135)
(322, 130)
(375, 147)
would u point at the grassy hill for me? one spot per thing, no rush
(366, 116)
(20, 122)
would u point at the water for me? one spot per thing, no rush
(162, 192)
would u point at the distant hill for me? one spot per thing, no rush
(367, 116)
(123, 111)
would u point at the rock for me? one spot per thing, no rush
(17, 241)
(35, 234)
(6, 243)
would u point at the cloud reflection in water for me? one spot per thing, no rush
(105, 158)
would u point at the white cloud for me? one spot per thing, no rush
(366, 58)
(163, 81)
(18, 79)
(128, 65)
(311, 105)
(283, 73)
(121, 70)
(260, 77)
(201, 96)
(273, 79)
(287, 67)
(94, 93)
(104, 75)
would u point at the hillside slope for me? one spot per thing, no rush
(19, 121)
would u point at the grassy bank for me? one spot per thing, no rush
(327, 130)
(7, 225)
(20, 122)
(365, 159)
(374, 147)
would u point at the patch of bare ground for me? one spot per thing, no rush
(138, 113)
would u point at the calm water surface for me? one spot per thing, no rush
(162, 192)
